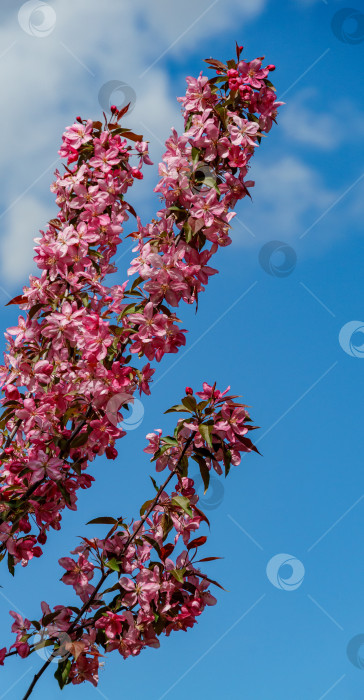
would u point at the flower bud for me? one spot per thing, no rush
(189, 390)
(111, 452)
(271, 67)
(25, 525)
(136, 173)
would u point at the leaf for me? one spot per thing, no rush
(123, 111)
(47, 619)
(178, 574)
(154, 543)
(208, 559)
(197, 542)
(34, 310)
(202, 515)
(133, 137)
(104, 520)
(20, 299)
(184, 503)
(132, 210)
(160, 452)
(211, 580)
(190, 403)
(113, 564)
(178, 408)
(145, 506)
(79, 440)
(248, 443)
(62, 673)
(166, 551)
(154, 483)
(204, 471)
(56, 223)
(195, 154)
(227, 460)
(11, 564)
(169, 440)
(129, 309)
(215, 63)
(206, 432)
(64, 493)
(183, 466)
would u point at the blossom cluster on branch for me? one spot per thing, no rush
(71, 368)
(159, 587)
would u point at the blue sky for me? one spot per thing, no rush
(274, 337)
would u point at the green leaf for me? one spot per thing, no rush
(159, 452)
(206, 432)
(113, 564)
(253, 117)
(188, 231)
(145, 506)
(154, 483)
(195, 155)
(178, 574)
(104, 520)
(62, 673)
(129, 309)
(179, 408)
(169, 440)
(184, 503)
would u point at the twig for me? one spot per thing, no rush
(106, 574)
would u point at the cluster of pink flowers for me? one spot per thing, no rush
(160, 587)
(67, 357)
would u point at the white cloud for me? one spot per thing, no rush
(16, 246)
(306, 125)
(45, 82)
(303, 122)
(288, 196)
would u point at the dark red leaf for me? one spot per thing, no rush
(166, 551)
(17, 300)
(197, 542)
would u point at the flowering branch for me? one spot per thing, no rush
(165, 594)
